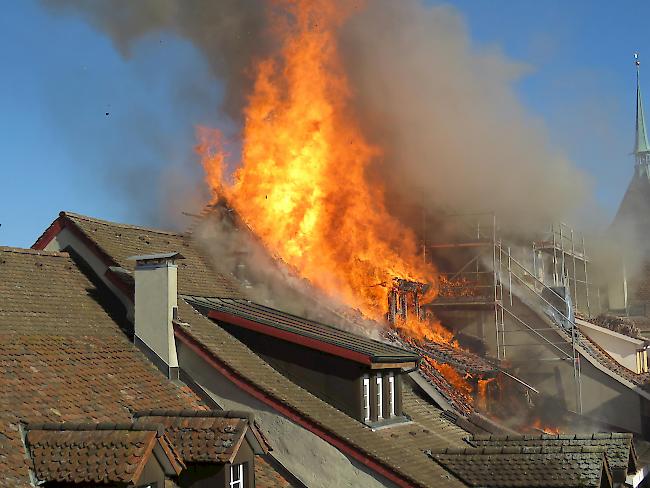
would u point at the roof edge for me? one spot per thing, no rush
(331, 438)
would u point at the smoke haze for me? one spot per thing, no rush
(453, 132)
(454, 135)
(229, 33)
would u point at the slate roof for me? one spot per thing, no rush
(201, 436)
(294, 326)
(63, 357)
(95, 453)
(617, 445)
(566, 466)
(118, 242)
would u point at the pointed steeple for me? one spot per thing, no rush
(641, 142)
(641, 146)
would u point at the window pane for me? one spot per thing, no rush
(366, 399)
(391, 394)
(380, 398)
(237, 476)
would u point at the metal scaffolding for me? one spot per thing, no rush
(561, 259)
(489, 277)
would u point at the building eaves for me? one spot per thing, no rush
(316, 335)
(255, 376)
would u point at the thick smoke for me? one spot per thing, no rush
(229, 33)
(453, 133)
(454, 136)
(447, 117)
(233, 249)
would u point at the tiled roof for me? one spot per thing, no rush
(399, 455)
(95, 453)
(268, 477)
(201, 436)
(62, 356)
(566, 466)
(294, 326)
(600, 355)
(460, 359)
(618, 446)
(118, 242)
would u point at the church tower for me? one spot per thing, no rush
(630, 230)
(633, 216)
(641, 147)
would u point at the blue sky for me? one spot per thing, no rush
(59, 78)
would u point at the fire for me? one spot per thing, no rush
(428, 329)
(461, 383)
(481, 391)
(302, 184)
(547, 429)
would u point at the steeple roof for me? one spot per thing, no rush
(641, 141)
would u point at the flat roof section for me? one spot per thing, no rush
(298, 330)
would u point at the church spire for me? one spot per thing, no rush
(641, 146)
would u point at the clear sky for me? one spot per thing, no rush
(69, 102)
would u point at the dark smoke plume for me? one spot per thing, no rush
(229, 33)
(453, 133)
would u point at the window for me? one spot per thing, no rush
(236, 476)
(391, 394)
(642, 361)
(366, 399)
(380, 398)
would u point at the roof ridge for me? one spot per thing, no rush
(34, 252)
(524, 450)
(119, 224)
(99, 426)
(228, 414)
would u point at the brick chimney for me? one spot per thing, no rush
(156, 302)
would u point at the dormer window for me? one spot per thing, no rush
(391, 394)
(642, 361)
(366, 398)
(380, 397)
(237, 476)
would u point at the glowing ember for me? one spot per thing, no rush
(547, 429)
(454, 378)
(481, 391)
(302, 184)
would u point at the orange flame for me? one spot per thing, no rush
(461, 383)
(482, 386)
(547, 429)
(302, 184)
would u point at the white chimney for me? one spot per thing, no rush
(156, 301)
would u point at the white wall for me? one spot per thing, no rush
(620, 347)
(308, 457)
